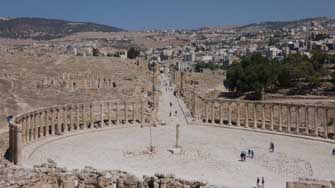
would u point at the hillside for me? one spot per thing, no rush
(324, 21)
(46, 29)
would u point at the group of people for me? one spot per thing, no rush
(249, 154)
(175, 112)
(260, 182)
(243, 156)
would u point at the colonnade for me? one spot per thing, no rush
(57, 120)
(311, 120)
(85, 83)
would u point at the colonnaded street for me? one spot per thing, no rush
(209, 154)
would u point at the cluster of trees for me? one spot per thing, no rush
(213, 66)
(133, 53)
(256, 73)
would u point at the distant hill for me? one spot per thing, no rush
(46, 29)
(280, 24)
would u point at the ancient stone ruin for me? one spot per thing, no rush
(48, 175)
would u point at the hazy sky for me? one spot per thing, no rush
(144, 14)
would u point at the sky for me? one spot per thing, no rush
(169, 14)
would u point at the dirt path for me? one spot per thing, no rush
(19, 101)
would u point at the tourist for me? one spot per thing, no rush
(263, 182)
(334, 151)
(170, 104)
(252, 154)
(241, 156)
(249, 153)
(175, 112)
(170, 114)
(257, 182)
(272, 147)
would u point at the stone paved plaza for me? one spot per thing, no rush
(210, 154)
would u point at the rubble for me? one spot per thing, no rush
(48, 175)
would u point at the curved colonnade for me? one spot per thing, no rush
(32, 126)
(307, 120)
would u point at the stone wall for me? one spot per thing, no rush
(48, 175)
(4, 144)
(311, 183)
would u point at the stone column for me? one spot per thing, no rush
(255, 115)
(263, 116)
(78, 116)
(101, 115)
(133, 111)
(41, 125)
(246, 115)
(117, 113)
(35, 126)
(177, 135)
(65, 119)
(12, 140)
(26, 139)
(31, 126)
(91, 116)
(28, 128)
(52, 114)
(193, 103)
(83, 114)
(69, 114)
(229, 113)
(58, 121)
(213, 112)
(126, 112)
(289, 119)
(142, 112)
(326, 122)
(298, 119)
(316, 126)
(271, 117)
(221, 120)
(109, 114)
(46, 119)
(238, 114)
(306, 121)
(280, 118)
(19, 146)
(23, 128)
(206, 112)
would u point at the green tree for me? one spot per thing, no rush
(132, 53)
(258, 74)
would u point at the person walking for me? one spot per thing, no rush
(170, 114)
(175, 112)
(263, 182)
(257, 182)
(272, 147)
(334, 152)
